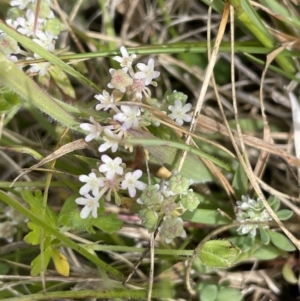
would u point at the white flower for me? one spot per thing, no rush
(125, 60)
(179, 112)
(131, 182)
(106, 101)
(95, 128)
(40, 68)
(92, 183)
(111, 167)
(26, 25)
(112, 141)
(45, 40)
(20, 3)
(147, 72)
(12, 23)
(119, 79)
(248, 203)
(129, 117)
(90, 204)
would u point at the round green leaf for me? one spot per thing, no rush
(108, 223)
(229, 293)
(209, 292)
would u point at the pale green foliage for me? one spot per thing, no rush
(219, 253)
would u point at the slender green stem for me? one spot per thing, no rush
(106, 294)
(171, 252)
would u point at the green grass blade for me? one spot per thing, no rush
(27, 89)
(249, 18)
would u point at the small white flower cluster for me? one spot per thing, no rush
(108, 180)
(42, 29)
(252, 213)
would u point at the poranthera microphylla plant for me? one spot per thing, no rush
(166, 201)
(161, 204)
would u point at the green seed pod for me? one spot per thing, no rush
(149, 219)
(171, 228)
(150, 196)
(219, 253)
(189, 201)
(179, 184)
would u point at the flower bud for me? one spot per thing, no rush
(177, 95)
(149, 219)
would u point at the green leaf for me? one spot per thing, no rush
(205, 216)
(229, 293)
(4, 268)
(108, 223)
(281, 241)
(36, 264)
(33, 237)
(35, 202)
(247, 15)
(69, 206)
(288, 273)
(28, 90)
(274, 202)
(264, 236)
(165, 152)
(62, 81)
(8, 100)
(208, 292)
(248, 242)
(266, 252)
(284, 214)
(7, 199)
(240, 182)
